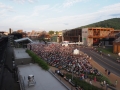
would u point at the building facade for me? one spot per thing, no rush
(89, 36)
(73, 35)
(116, 44)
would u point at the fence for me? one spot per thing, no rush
(21, 82)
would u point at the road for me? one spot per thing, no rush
(105, 62)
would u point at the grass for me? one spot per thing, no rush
(108, 51)
(105, 50)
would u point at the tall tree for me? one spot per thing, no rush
(51, 32)
(57, 32)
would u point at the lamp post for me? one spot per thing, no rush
(119, 54)
(72, 72)
(79, 38)
(75, 52)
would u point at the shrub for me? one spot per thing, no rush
(82, 83)
(38, 60)
(99, 78)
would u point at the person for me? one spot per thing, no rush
(109, 55)
(69, 80)
(115, 83)
(90, 81)
(109, 73)
(104, 82)
(95, 79)
(105, 71)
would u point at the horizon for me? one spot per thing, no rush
(45, 15)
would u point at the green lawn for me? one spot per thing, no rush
(105, 50)
(108, 51)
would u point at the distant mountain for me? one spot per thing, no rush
(110, 23)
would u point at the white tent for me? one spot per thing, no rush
(76, 52)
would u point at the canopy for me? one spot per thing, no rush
(23, 39)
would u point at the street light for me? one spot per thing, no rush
(75, 52)
(119, 54)
(72, 70)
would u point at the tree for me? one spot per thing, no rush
(110, 23)
(51, 32)
(57, 32)
(43, 36)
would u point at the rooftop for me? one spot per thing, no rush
(44, 80)
(20, 53)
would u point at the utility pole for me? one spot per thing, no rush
(79, 38)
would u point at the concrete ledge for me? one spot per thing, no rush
(58, 79)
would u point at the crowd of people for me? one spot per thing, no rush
(62, 57)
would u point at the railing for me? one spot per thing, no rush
(58, 79)
(21, 82)
(92, 36)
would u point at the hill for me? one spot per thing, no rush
(110, 23)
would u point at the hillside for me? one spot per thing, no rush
(110, 23)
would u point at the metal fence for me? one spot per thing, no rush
(21, 82)
(58, 79)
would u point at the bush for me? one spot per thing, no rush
(99, 78)
(38, 60)
(82, 83)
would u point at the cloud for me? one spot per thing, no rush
(83, 19)
(3, 13)
(46, 8)
(60, 23)
(38, 9)
(66, 23)
(31, 1)
(3, 6)
(41, 7)
(56, 8)
(69, 3)
(23, 1)
(4, 9)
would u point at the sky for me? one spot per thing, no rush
(55, 15)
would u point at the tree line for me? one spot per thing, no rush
(110, 23)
